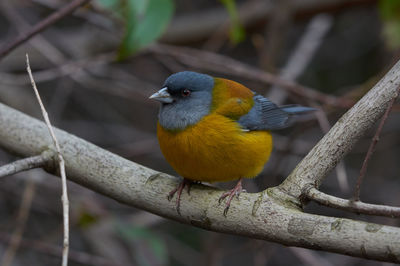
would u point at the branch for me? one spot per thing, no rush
(26, 164)
(313, 169)
(42, 25)
(351, 205)
(258, 215)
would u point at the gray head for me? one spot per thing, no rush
(185, 98)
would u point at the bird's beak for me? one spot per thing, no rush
(162, 96)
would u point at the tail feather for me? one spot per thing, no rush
(297, 109)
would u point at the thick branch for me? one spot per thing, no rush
(343, 135)
(259, 215)
(351, 205)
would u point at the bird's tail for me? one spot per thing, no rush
(297, 109)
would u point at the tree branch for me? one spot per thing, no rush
(351, 205)
(273, 214)
(26, 164)
(343, 135)
(260, 215)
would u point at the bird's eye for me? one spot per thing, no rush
(185, 92)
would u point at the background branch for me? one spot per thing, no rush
(42, 25)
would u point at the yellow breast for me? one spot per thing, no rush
(215, 149)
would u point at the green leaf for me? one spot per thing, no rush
(145, 22)
(236, 33)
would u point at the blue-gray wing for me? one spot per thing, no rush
(265, 115)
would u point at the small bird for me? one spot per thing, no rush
(214, 129)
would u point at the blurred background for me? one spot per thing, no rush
(96, 68)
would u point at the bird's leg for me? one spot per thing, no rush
(179, 189)
(231, 193)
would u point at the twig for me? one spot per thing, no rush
(39, 43)
(371, 148)
(350, 205)
(94, 17)
(64, 197)
(42, 25)
(25, 164)
(21, 220)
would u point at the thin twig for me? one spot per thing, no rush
(21, 220)
(64, 197)
(25, 164)
(350, 205)
(42, 25)
(371, 148)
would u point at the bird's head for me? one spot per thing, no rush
(185, 98)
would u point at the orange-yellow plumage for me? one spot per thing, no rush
(215, 149)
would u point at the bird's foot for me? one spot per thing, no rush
(230, 194)
(178, 190)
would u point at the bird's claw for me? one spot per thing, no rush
(179, 189)
(230, 194)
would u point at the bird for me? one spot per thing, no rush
(214, 130)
